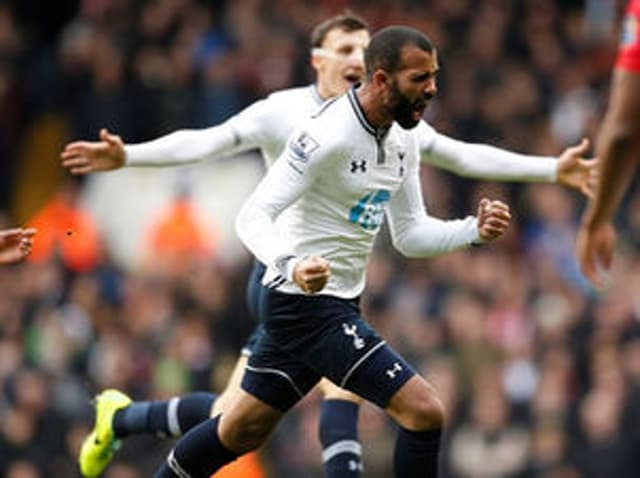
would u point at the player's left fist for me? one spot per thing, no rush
(493, 219)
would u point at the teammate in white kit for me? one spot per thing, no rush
(337, 44)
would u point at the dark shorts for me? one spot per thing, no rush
(253, 289)
(252, 297)
(253, 340)
(308, 337)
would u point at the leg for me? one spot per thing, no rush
(118, 417)
(218, 441)
(221, 405)
(233, 385)
(338, 431)
(164, 418)
(272, 383)
(420, 415)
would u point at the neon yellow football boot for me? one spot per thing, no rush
(100, 445)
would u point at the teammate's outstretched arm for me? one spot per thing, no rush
(242, 132)
(82, 157)
(15, 244)
(177, 148)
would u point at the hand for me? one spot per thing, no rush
(576, 172)
(493, 219)
(15, 244)
(82, 157)
(311, 274)
(594, 247)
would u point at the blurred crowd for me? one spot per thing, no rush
(540, 373)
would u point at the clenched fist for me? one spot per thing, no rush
(311, 274)
(493, 219)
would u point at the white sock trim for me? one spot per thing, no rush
(342, 446)
(172, 417)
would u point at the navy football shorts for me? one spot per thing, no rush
(253, 340)
(252, 296)
(253, 288)
(308, 337)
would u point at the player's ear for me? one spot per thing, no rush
(316, 61)
(381, 78)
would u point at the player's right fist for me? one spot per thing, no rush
(311, 274)
(493, 219)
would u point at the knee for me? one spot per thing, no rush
(247, 434)
(425, 412)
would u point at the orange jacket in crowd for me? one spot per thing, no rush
(178, 235)
(248, 466)
(66, 229)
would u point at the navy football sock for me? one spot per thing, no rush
(198, 454)
(416, 453)
(164, 418)
(338, 429)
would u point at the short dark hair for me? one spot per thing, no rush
(347, 21)
(385, 49)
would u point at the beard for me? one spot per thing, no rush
(403, 110)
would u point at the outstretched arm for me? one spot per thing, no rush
(242, 132)
(15, 244)
(177, 148)
(482, 161)
(618, 147)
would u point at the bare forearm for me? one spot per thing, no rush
(619, 153)
(618, 146)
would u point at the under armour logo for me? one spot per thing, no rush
(393, 371)
(358, 342)
(355, 466)
(358, 165)
(401, 155)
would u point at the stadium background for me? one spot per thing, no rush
(541, 375)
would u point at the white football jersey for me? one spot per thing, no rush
(268, 123)
(328, 193)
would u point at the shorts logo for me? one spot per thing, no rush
(355, 466)
(358, 342)
(302, 146)
(392, 372)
